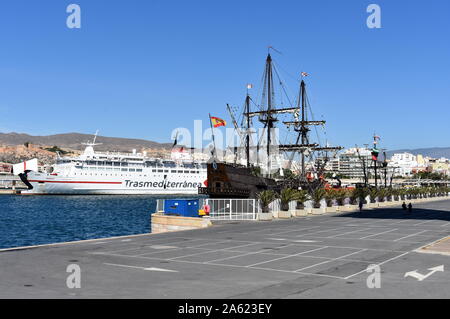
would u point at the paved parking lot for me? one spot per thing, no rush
(312, 257)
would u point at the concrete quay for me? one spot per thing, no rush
(323, 256)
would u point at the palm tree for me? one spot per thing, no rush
(317, 195)
(286, 196)
(330, 195)
(403, 193)
(389, 194)
(373, 192)
(360, 193)
(341, 195)
(302, 197)
(265, 198)
(382, 193)
(396, 193)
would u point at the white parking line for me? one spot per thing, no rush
(142, 268)
(373, 235)
(393, 258)
(181, 248)
(322, 231)
(421, 223)
(136, 247)
(211, 251)
(331, 260)
(410, 235)
(349, 232)
(288, 256)
(297, 229)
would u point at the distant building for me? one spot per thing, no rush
(404, 163)
(440, 165)
(350, 163)
(5, 168)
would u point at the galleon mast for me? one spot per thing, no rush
(267, 116)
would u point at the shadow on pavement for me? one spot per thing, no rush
(399, 213)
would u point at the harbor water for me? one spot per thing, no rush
(35, 220)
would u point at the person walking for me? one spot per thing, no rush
(409, 207)
(360, 205)
(404, 206)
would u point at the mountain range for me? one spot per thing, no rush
(435, 152)
(74, 141)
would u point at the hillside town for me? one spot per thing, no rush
(350, 162)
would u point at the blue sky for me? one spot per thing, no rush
(141, 68)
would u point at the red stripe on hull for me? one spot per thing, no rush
(74, 182)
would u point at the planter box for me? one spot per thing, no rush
(282, 214)
(265, 216)
(351, 208)
(372, 205)
(318, 211)
(300, 212)
(331, 209)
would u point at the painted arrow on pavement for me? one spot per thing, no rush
(421, 277)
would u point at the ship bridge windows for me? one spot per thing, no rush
(169, 164)
(150, 164)
(63, 161)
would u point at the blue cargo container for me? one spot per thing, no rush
(181, 207)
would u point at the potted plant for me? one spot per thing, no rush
(396, 194)
(265, 198)
(330, 196)
(373, 192)
(382, 193)
(341, 195)
(286, 196)
(317, 196)
(362, 194)
(389, 194)
(302, 197)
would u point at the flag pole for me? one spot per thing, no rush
(213, 138)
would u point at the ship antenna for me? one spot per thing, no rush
(95, 136)
(93, 142)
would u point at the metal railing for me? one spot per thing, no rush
(232, 209)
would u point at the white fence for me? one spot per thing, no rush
(233, 209)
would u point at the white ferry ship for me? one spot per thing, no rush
(117, 173)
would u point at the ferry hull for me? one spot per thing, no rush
(49, 185)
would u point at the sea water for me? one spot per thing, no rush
(35, 220)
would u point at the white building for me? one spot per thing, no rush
(404, 163)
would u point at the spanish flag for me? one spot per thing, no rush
(216, 122)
